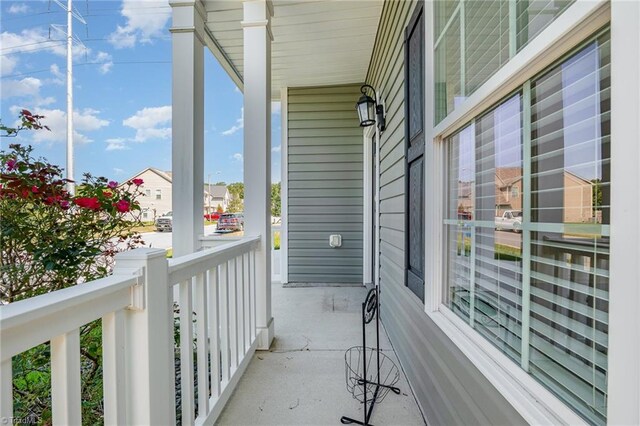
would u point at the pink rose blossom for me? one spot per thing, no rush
(122, 206)
(112, 184)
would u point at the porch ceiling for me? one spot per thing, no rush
(316, 42)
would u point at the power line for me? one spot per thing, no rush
(82, 64)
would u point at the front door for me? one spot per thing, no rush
(415, 140)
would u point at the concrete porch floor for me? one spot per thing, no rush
(301, 380)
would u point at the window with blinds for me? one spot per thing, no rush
(474, 39)
(550, 242)
(570, 165)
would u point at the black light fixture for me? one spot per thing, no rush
(369, 110)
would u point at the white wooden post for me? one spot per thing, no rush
(257, 153)
(6, 388)
(624, 295)
(187, 125)
(149, 358)
(65, 379)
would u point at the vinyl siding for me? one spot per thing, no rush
(324, 158)
(449, 389)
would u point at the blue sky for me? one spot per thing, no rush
(122, 89)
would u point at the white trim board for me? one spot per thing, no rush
(284, 185)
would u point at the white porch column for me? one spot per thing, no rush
(187, 125)
(624, 294)
(257, 152)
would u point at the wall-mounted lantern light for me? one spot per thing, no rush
(370, 110)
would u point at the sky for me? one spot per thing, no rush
(122, 89)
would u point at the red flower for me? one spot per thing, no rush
(90, 203)
(35, 189)
(107, 194)
(112, 184)
(64, 204)
(122, 206)
(11, 164)
(25, 193)
(137, 182)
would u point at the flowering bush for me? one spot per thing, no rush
(51, 239)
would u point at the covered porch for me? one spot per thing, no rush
(301, 379)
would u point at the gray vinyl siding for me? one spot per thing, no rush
(449, 389)
(324, 159)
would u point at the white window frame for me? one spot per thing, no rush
(158, 194)
(535, 403)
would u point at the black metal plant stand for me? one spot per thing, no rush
(369, 389)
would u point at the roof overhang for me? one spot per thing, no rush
(315, 42)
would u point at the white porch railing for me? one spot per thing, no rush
(136, 308)
(224, 281)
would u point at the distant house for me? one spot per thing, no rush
(574, 206)
(218, 195)
(157, 190)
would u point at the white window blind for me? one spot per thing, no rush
(560, 254)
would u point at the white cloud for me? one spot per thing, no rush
(86, 120)
(116, 144)
(18, 8)
(237, 156)
(276, 148)
(105, 61)
(145, 19)
(57, 74)
(151, 123)
(118, 171)
(28, 86)
(239, 125)
(7, 65)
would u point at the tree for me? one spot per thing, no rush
(275, 199)
(235, 205)
(220, 184)
(236, 189)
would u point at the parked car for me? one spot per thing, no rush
(165, 222)
(231, 222)
(212, 216)
(511, 220)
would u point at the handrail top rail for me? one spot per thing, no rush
(186, 266)
(66, 299)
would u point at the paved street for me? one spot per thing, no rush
(508, 238)
(163, 239)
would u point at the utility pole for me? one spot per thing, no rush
(71, 185)
(70, 39)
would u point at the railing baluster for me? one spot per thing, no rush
(240, 301)
(253, 294)
(214, 333)
(114, 369)
(65, 379)
(245, 300)
(233, 313)
(186, 352)
(224, 319)
(202, 345)
(6, 389)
